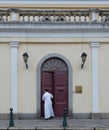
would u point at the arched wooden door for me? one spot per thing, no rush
(54, 77)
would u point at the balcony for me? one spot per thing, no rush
(56, 16)
(65, 25)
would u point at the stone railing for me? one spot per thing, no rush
(56, 16)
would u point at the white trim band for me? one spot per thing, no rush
(56, 2)
(95, 86)
(14, 46)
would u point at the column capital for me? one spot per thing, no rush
(95, 44)
(14, 43)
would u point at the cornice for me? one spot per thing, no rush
(53, 30)
(54, 3)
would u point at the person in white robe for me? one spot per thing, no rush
(48, 109)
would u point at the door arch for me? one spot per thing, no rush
(54, 77)
(38, 89)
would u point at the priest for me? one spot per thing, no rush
(48, 109)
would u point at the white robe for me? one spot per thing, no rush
(48, 110)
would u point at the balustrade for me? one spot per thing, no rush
(4, 16)
(54, 16)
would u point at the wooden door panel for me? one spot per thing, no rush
(57, 84)
(46, 83)
(61, 92)
(59, 111)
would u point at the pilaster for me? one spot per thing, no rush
(14, 47)
(95, 81)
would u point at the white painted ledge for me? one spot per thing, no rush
(35, 3)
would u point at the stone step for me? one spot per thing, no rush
(54, 128)
(62, 128)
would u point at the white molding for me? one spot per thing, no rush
(55, 30)
(14, 45)
(77, 2)
(95, 73)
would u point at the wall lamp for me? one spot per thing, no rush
(83, 56)
(25, 58)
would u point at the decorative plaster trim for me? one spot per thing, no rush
(95, 81)
(14, 92)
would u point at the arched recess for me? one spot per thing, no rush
(38, 106)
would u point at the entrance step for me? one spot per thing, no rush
(54, 128)
(66, 128)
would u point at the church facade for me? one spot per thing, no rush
(62, 46)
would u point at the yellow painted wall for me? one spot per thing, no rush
(28, 80)
(5, 78)
(104, 77)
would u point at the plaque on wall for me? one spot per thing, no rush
(78, 89)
